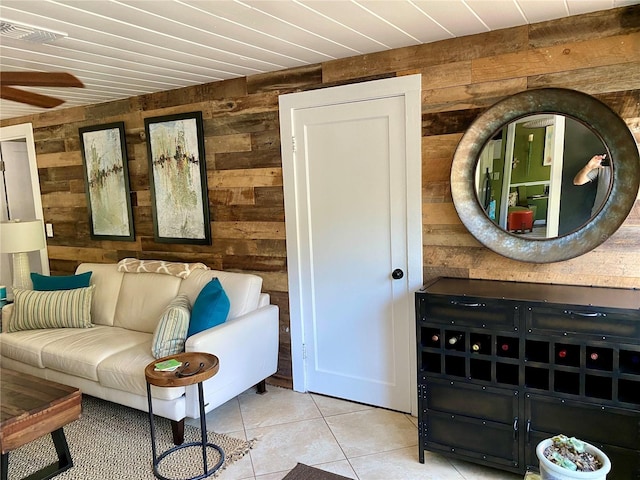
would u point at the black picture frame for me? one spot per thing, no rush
(106, 175)
(178, 178)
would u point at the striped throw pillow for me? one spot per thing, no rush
(171, 331)
(51, 309)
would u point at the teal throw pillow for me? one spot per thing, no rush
(171, 332)
(210, 308)
(44, 283)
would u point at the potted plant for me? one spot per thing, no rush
(563, 458)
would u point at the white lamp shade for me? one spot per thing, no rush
(17, 236)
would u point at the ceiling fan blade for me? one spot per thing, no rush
(40, 79)
(35, 99)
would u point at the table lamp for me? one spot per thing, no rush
(19, 238)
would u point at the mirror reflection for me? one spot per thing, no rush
(543, 176)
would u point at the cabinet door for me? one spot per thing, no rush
(479, 423)
(616, 431)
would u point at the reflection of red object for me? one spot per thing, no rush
(562, 353)
(520, 220)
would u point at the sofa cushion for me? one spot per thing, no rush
(143, 297)
(107, 280)
(124, 371)
(54, 309)
(26, 346)
(171, 332)
(80, 355)
(62, 282)
(243, 289)
(211, 308)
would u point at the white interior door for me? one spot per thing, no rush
(352, 200)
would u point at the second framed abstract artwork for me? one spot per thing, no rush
(178, 177)
(106, 172)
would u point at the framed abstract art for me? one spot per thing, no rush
(178, 179)
(106, 173)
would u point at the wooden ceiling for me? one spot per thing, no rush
(124, 48)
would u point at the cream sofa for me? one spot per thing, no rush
(108, 360)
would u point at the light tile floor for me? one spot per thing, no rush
(354, 440)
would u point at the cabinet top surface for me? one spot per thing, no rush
(537, 292)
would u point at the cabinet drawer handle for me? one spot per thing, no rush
(585, 314)
(515, 428)
(528, 431)
(464, 304)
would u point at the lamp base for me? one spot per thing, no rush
(22, 271)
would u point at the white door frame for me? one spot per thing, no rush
(408, 87)
(24, 131)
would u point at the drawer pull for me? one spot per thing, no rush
(464, 304)
(585, 314)
(528, 431)
(515, 428)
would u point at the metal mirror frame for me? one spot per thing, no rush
(607, 124)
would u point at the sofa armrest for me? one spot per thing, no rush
(7, 310)
(247, 349)
(264, 299)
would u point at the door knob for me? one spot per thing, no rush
(397, 274)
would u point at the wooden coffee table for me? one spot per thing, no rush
(31, 407)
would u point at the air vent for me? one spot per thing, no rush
(28, 33)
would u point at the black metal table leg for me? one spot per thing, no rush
(203, 428)
(152, 425)
(203, 443)
(4, 466)
(64, 460)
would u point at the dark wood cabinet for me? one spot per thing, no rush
(504, 365)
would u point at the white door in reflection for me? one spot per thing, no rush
(533, 171)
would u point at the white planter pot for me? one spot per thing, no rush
(551, 471)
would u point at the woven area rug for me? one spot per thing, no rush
(305, 472)
(113, 442)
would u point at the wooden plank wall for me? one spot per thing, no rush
(597, 53)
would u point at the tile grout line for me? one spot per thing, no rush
(334, 436)
(246, 436)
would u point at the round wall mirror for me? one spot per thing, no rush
(545, 175)
(536, 176)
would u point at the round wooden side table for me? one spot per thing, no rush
(196, 368)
